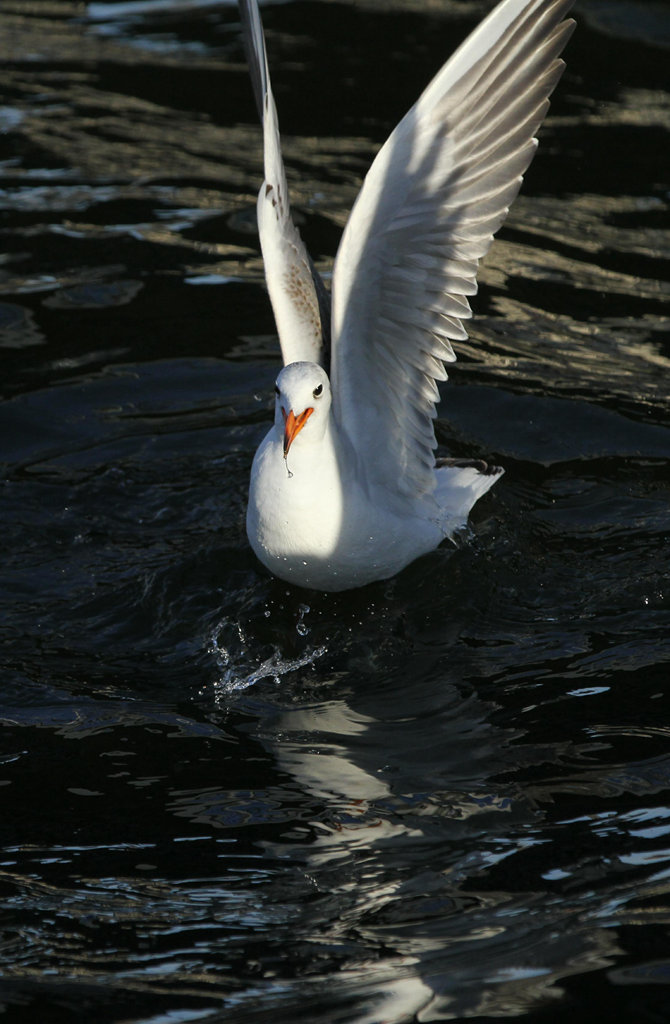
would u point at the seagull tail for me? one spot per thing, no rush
(461, 483)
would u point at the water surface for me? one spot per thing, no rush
(442, 797)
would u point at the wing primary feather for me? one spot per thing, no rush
(254, 46)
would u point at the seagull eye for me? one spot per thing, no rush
(318, 391)
(277, 391)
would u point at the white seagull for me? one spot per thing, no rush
(345, 488)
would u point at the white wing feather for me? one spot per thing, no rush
(299, 301)
(438, 190)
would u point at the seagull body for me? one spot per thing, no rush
(345, 488)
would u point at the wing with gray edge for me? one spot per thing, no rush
(300, 302)
(433, 199)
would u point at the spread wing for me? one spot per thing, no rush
(435, 195)
(299, 299)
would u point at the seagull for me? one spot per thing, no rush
(345, 488)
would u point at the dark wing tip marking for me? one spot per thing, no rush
(254, 46)
(485, 468)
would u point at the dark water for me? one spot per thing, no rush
(444, 797)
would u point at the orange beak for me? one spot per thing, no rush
(293, 425)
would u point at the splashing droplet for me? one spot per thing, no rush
(301, 628)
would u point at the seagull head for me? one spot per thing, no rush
(302, 403)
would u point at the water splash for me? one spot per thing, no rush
(301, 628)
(244, 660)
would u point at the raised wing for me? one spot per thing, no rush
(300, 302)
(438, 190)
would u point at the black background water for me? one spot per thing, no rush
(224, 799)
